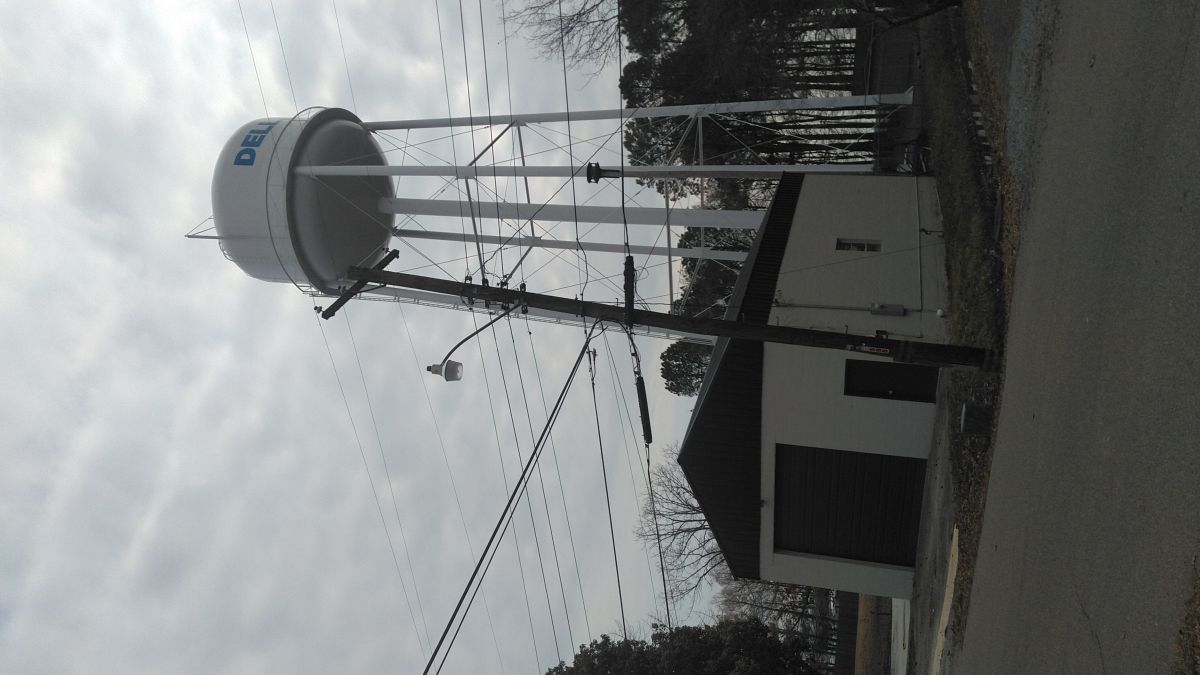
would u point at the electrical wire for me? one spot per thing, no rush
(562, 41)
(506, 515)
(611, 276)
(633, 475)
(388, 475)
(623, 407)
(367, 467)
(337, 21)
(547, 231)
(621, 104)
(449, 471)
(462, 28)
(286, 69)
(636, 357)
(558, 147)
(487, 97)
(575, 174)
(517, 143)
(528, 501)
(450, 113)
(504, 478)
(558, 473)
(662, 565)
(253, 61)
(556, 255)
(607, 498)
(407, 243)
(542, 483)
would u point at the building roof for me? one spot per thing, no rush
(721, 453)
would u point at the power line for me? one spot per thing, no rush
(487, 97)
(518, 142)
(388, 474)
(360, 209)
(528, 501)
(570, 147)
(571, 181)
(504, 478)
(607, 499)
(624, 414)
(286, 69)
(556, 255)
(541, 482)
(619, 390)
(644, 409)
(415, 146)
(554, 455)
(662, 565)
(621, 150)
(345, 61)
(605, 186)
(611, 276)
(449, 471)
(508, 510)
(362, 453)
(462, 28)
(555, 147)
(253, 61)
(649, 481)
(437, 10)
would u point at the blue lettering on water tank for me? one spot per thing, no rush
(246, 154)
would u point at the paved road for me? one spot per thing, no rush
(1093, 514)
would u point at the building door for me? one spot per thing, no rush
(855, 505)
(886, 379)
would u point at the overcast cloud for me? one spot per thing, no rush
(180, 487)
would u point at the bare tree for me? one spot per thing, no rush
(581, 31)
(691, 557)
(692, 560)
(785, 607)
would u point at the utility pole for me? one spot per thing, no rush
(900, 350)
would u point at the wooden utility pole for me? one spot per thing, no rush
(900, 350)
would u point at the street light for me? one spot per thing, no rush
(452, 371)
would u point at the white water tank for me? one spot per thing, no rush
(305, 230)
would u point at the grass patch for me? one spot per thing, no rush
(985, 29)
(966, 186)
(975, 265)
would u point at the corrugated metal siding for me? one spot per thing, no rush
(856, 505)
(721, 453)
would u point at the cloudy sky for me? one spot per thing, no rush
(183, 487)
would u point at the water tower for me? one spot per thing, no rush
(277, 226)
(302, 200)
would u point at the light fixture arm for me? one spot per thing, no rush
(477, 332)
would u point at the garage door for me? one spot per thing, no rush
(856, 505)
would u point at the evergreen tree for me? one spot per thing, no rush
(732, 646)
(683, 365)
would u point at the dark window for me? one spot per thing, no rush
(869, 245)
(897, 381)
(855, 505)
